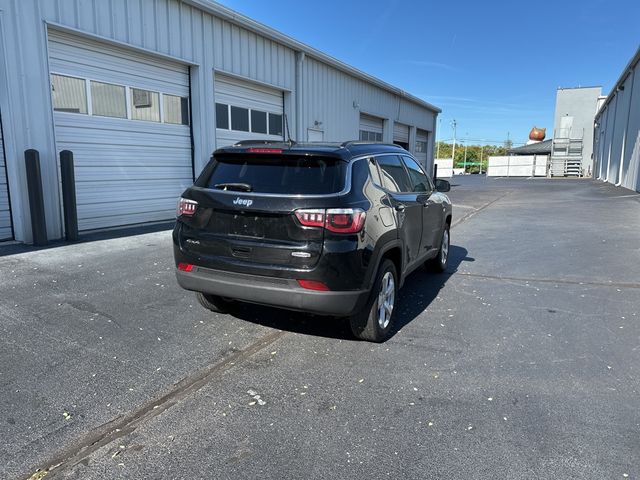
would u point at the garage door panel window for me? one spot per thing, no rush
(108, 100)
(145, 105)
(231, 117)
(421, 147)
(368, 136)
(69, 94)
(222, 116)
(176, 109)
(258, 121)
(275, 124)
(239, 119)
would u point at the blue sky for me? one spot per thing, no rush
(494, 66)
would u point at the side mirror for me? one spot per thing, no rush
(442, 185)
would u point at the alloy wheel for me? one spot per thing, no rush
(444, 250)
(386, 300)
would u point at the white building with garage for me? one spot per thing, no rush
(143, 91)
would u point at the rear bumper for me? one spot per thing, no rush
(276, 292)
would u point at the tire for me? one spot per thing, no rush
(440, 262)
(374, 323)
(214, 303)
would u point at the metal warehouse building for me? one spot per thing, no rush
(617, 136)
(142, 91)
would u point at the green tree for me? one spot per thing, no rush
(474, 154)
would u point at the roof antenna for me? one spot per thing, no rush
(286, 125)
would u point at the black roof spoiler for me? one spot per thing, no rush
(244, 143)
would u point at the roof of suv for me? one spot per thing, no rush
(346, 150)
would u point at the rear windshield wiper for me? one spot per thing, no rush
(239, 187)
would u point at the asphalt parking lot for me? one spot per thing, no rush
(520, 362)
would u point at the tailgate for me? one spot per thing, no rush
(246, 206)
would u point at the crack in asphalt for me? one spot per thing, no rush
(122, 426)
(87, 307)
(466, 217)
(551, 280)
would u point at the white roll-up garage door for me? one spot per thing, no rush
(420, 151)
(401, 134)
(6, 232)
(247, 111)
(371, 128)
(125, 116)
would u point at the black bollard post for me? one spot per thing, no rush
(69, 196)
(36, 200)
(435, 171)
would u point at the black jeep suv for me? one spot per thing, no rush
(331, 229)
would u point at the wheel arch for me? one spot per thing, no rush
(393, 252)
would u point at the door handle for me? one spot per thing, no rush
(400, 207)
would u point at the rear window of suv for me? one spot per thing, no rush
(279, 174)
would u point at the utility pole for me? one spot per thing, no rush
(437, 142)
(465, 155)
(481, 151)
(453, 151)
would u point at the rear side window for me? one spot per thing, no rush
(373, 170)
(284, 174)
(394, 176)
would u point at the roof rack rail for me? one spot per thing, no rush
(354, 142)
(365, 142)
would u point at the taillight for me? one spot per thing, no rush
(345, 220)
(338, 220)
(185, 267)
(311, 218)
(186, 207)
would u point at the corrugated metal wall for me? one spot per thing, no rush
(5, 212)
(608, 138)
(618, 133)
(244, 53)
(631, 164)
(206, 43)
(335, 99)
(599, 138)
(618, 153)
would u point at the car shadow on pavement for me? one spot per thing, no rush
(420, 289)
(13, 248)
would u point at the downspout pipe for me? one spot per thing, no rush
(300, 56)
